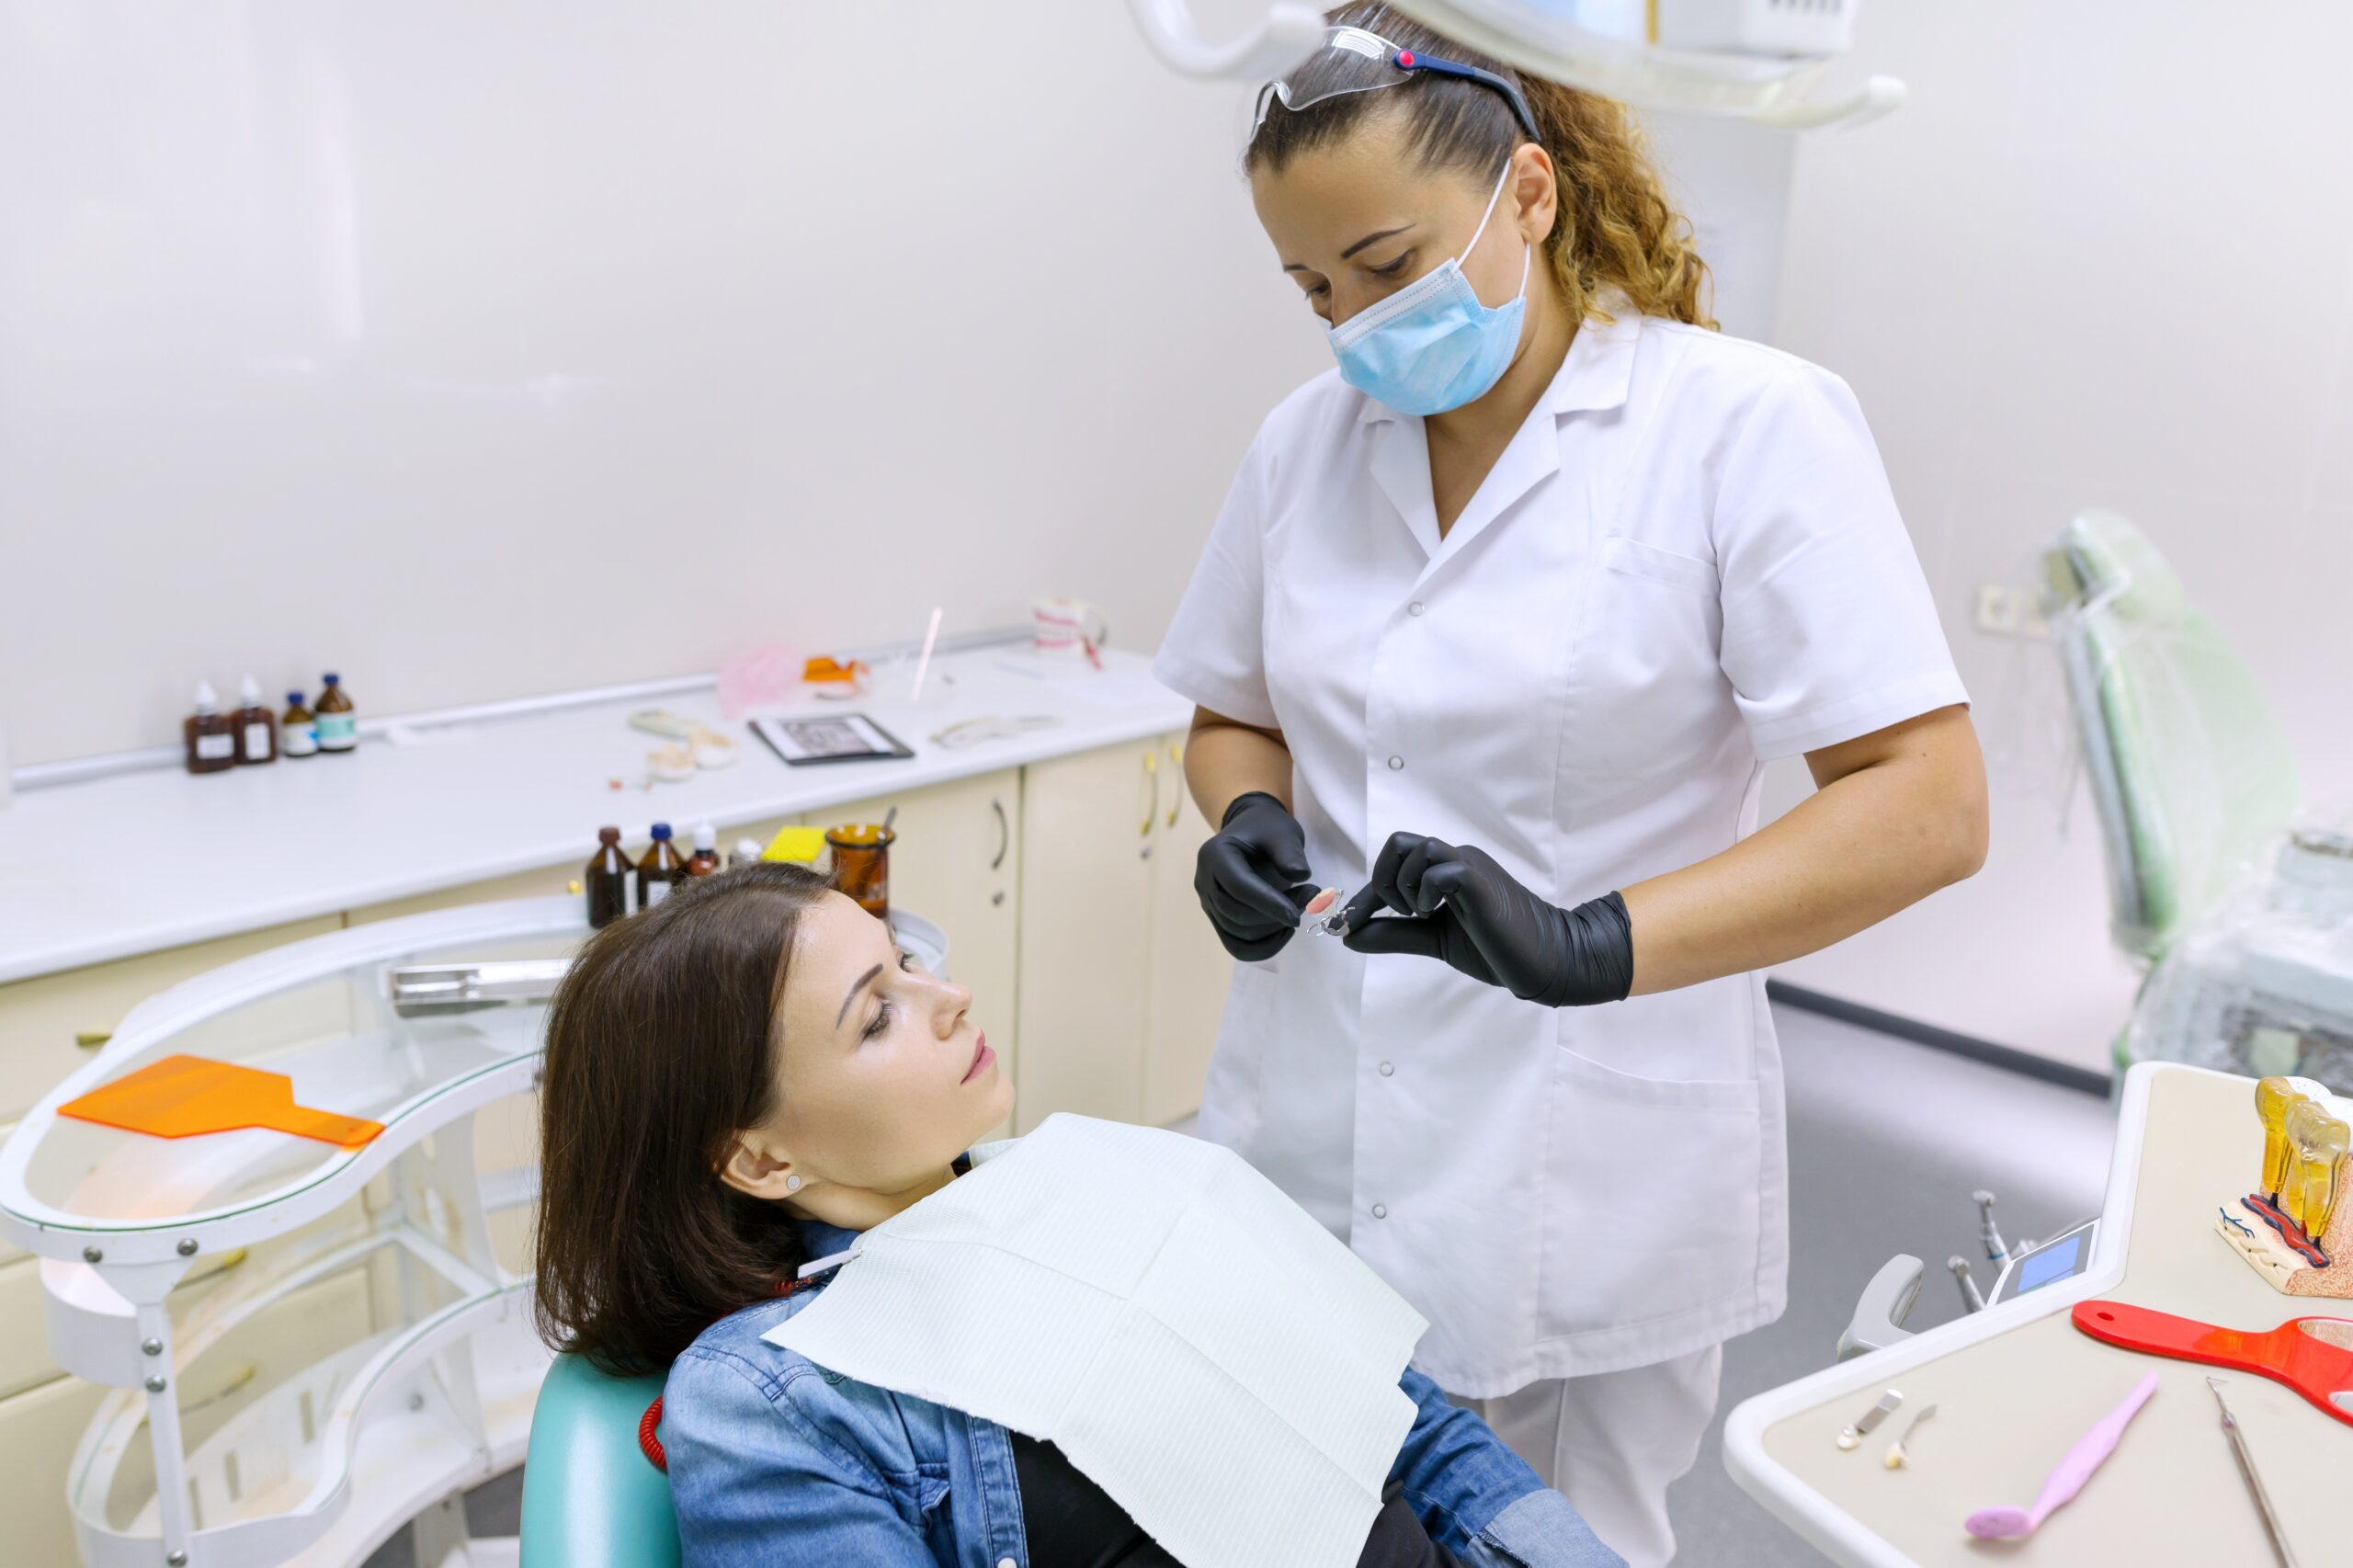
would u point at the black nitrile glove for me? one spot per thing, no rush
(1250, 877)
(1458, 905)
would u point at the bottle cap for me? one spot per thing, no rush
(249, 691)
(293, 700)
(207, 699)
(661, 832)
(747, 850)
(608, 835)
(706, 836)
(331, 679)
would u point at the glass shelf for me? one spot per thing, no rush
(292, 1399)
(318, 1012)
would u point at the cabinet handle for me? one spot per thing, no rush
(229, 1260)
(91, 1040)
(1150, 771)
(1004, 834)
(235, 1381)
(1175, 807)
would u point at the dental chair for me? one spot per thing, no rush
(2189, 772)
(2247, 973)
(2252, 963)
(591, 1498)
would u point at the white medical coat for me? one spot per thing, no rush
(1686, 562)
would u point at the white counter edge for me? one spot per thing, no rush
(796, 792)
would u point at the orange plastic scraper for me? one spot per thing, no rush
(181, 1096)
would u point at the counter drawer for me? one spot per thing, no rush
(38, 1431)
(522, 884)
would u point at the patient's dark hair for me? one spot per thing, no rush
(661, 1047)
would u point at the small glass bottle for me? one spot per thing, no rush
(705, 860)
(862, 865)
(211, 738)
(256, 727)
(661, 867)
(298, 729)
(746, 853)
(607, 879)
(338, 726)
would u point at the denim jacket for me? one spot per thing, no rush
(776, 1462)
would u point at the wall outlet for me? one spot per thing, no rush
(2005, 610)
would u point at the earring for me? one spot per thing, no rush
(792, 1184)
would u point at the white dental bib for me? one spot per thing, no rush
(1194, 1344)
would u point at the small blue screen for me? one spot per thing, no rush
(2054, 1262)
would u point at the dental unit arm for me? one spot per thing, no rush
(1880, 1312)
(1752, 62)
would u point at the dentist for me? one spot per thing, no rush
(1502, 620)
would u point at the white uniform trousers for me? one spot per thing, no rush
(1612, 1443)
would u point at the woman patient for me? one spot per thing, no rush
(739, 1080)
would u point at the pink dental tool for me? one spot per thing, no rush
(2091, 1450)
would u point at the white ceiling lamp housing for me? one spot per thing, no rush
(1752, 60)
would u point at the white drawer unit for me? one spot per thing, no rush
(1121, 977)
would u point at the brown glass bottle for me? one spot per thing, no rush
(862, 865)
(338, 726)
(298, 729)
(211, 739)
(256, 727)
(662, 866)
(705, 860)
(607, 879)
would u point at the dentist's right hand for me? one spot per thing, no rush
(1251, 877)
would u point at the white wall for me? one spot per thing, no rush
(481, 350)
(2099, 258)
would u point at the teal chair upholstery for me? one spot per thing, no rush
(591, 1498)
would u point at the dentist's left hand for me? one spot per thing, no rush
(1458, 905)
(1251, 876)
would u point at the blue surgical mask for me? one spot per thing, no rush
(1432, 347)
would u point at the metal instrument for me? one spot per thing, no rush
(448, 987)
(1996, 1249)
(1897, 1455)
(1970, 1300)
(1852, 1437)
(2254, 1481)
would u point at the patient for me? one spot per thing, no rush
(739, 1080)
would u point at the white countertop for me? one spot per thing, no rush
(141, 861)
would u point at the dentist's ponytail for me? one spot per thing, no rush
(1616, 228)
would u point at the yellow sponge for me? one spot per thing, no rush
(799, 844)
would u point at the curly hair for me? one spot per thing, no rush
(1615, 227)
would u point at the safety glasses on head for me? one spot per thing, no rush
(1353, 61)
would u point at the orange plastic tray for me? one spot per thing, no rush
(185, 1096)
